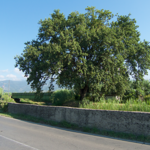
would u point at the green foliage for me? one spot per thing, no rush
(1, 92)
(4, 102)
(4, 106)
(147, 99)
(146, 87)
(85, 101)
(8, 93)
(77, 97)
(6, 98)
(62, 96)
(136, 90)
(129, 94)
(87, 52)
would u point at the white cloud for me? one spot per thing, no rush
(1, 76)
(16, 79)
(11, 76)
(17, 70)
(4, 70)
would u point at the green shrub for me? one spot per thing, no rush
(129, 94)
(4, 103)
(6, 98)
(1, 92)
(62, 96)
(8, 93)
(77, 97)
(147, 99)
(85, 101)
(4, 106)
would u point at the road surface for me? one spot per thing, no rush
(24, 135)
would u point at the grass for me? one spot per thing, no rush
(28, 101)
(112, 104)
(130, 105)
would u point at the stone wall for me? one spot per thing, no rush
(119, 121)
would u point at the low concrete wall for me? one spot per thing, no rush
(119, 121)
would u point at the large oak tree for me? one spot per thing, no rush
(86, 52)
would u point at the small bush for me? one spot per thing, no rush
(129, 94)
(9, 94)
(6, 98)
(147, 99)
(62, 96)
(77, 97)
(4, 106)
(1, 92)
(85, 102)
(4, 102)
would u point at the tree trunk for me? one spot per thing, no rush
(83, 92)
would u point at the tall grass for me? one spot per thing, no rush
(112, 104)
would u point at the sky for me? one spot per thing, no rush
(19, 24)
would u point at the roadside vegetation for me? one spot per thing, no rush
(69, 98)
(112, 104)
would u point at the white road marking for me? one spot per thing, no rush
(18, 142)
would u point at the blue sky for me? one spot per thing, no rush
(19, 24)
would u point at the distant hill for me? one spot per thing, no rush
(22, 86)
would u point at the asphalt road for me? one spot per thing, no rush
(22, 135)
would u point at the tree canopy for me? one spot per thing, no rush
(86, 52)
